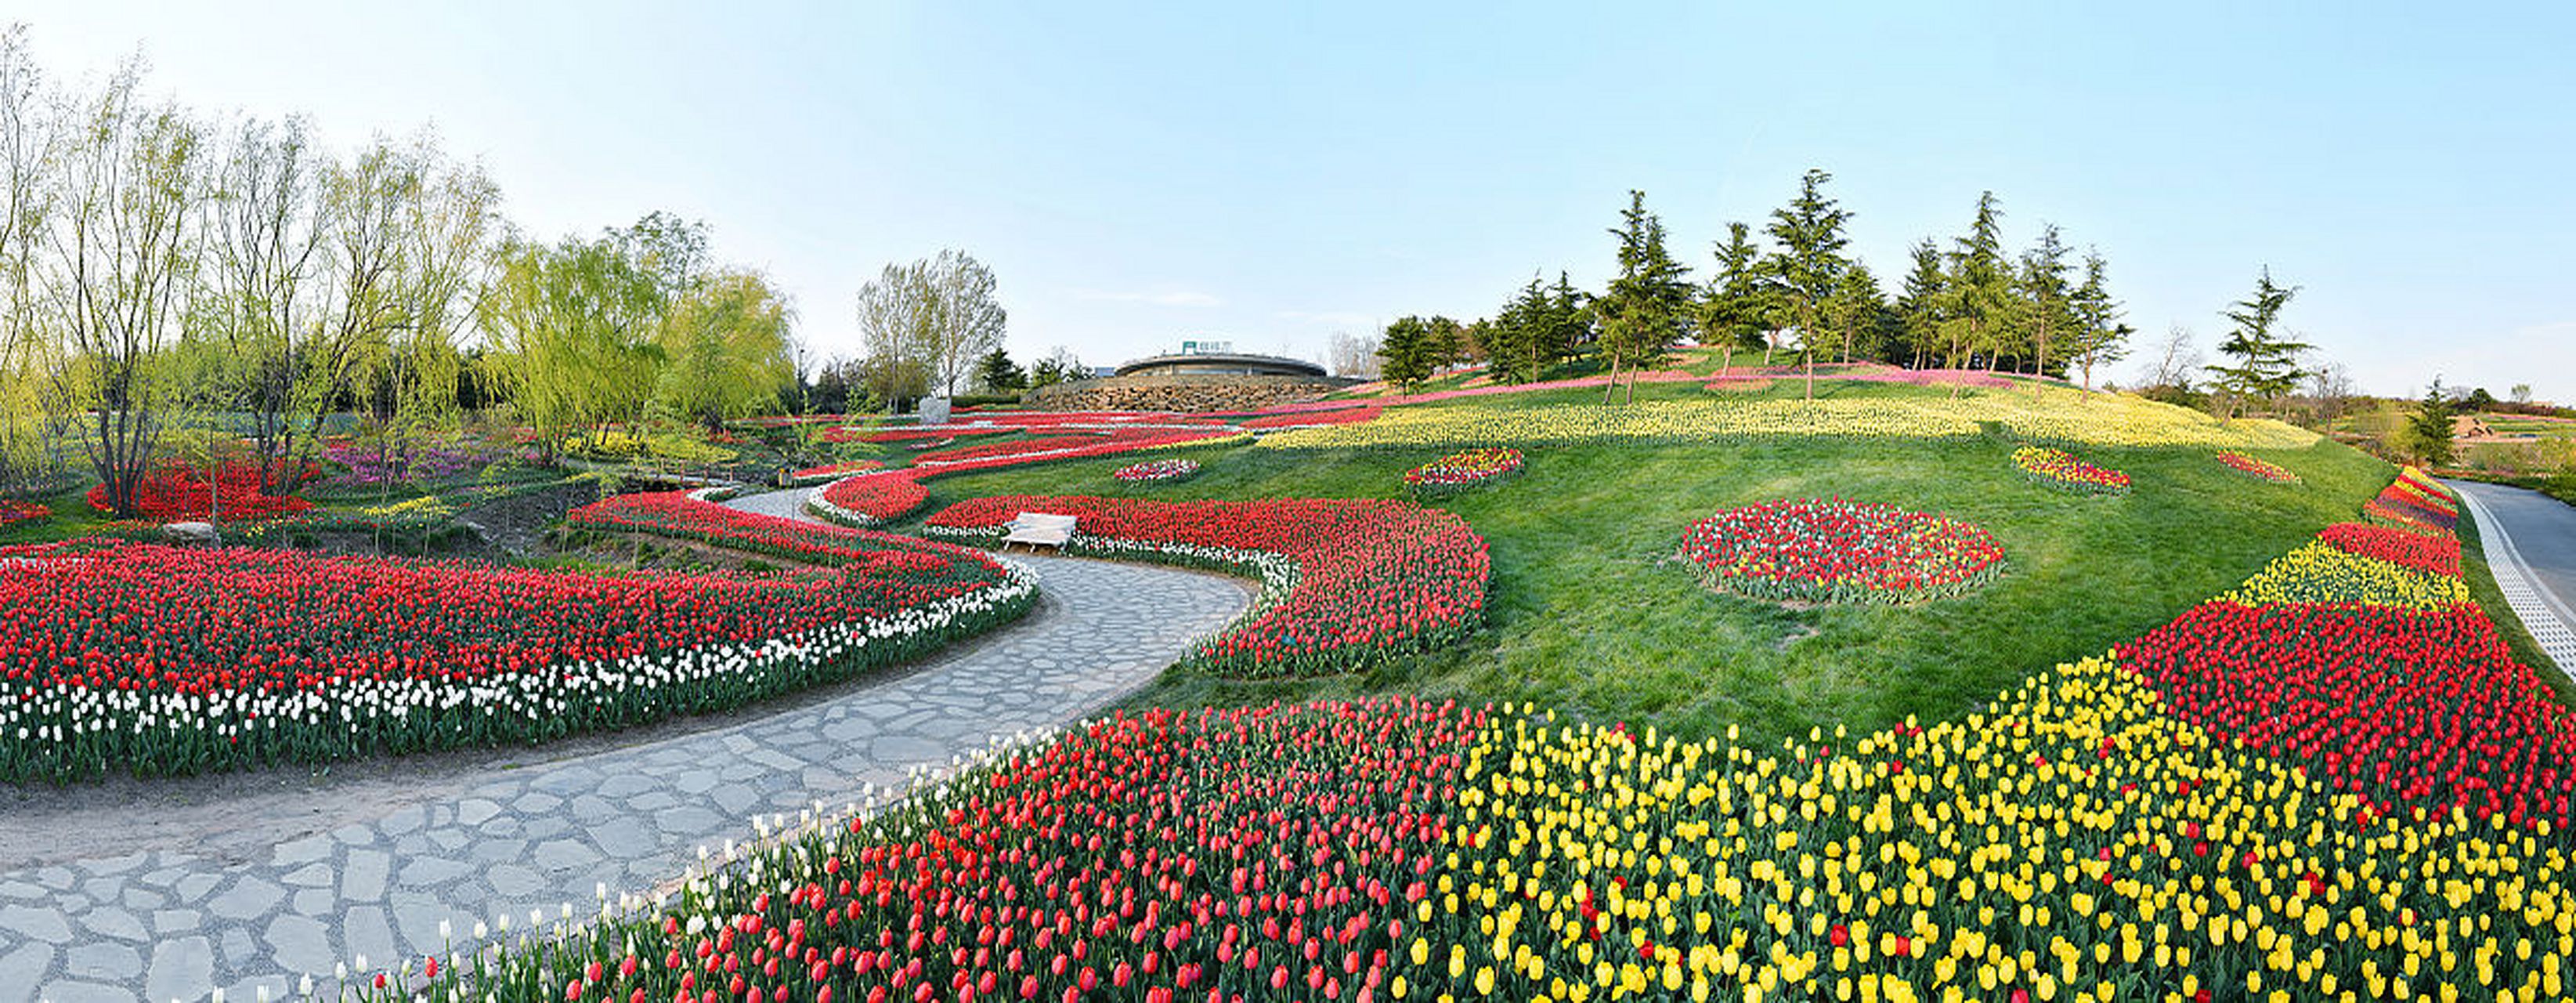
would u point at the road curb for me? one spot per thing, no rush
(2543, 613)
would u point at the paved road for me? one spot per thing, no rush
(2531, 536)
(175, 923)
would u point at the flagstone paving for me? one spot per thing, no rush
(170, 924)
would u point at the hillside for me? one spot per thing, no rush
(1591, 611)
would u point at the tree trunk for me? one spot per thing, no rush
(1811, 376)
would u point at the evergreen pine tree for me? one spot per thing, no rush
(1980, 285)
(1733, 310)
(1406, 352)
(2267, 363)
(2431, 429)
(2044, 309)
(2099, 337)
(1809, 263)
(1644, 311)
(1919, 307)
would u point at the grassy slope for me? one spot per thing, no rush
(1590, 616)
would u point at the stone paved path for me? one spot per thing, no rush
(175, 925)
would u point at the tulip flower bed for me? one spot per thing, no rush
(1312, 419)
(683, 515)
(159, 661)
(178, 492)
(21, 511)
(2256, 468)
(2060, 469)
(1457, 472)
(1344, 583)
(2415, 500)
(2107, 421)
(1157, 472)
(833, 471)
(2428, 552)
(367, 466)
(1839, 551)
(2323, 574)
(873, 498)
(2404, 707)
(2073, 841)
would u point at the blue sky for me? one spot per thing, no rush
(1137, 174)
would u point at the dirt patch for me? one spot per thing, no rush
(516, 526)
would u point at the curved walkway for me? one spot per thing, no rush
(2530, 544)
(175, 923)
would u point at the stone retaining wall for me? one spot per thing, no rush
(1182, 392)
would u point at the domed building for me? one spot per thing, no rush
(1201, 376)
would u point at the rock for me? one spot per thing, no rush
(191, 534)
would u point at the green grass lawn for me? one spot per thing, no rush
(1591, 614)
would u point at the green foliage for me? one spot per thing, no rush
(2430, 430)
(1412, 349)
(1922, 308)
(996, 373)
(2267, 364)
(1647, 306)
(724, 344)
(2044, 301)
(1737, 309)
(2099, 338)
(1807, 269)
(1979, 285)
(573, 327)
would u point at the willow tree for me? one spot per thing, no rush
(29, 354)
(726, 350)
(572, 330)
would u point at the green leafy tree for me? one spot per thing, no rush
(941, 313)
(1646, 308)
(1735, 309)
(1853, 311)
(1920, 307)
(1980, 289)
(2098, 338)
(727, 350)
(1808, 267)
(1569, 329)
(2431, 429)
(1409, 351)
(1512, 338)
(573, 330)
(2044, 308)
(2267, 362)
(996, 373)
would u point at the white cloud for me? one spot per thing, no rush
(1182, 298)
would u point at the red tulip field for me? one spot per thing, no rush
(1344, 583)
(869, 499)
(2262, 800)
(146, 659)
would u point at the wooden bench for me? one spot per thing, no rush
(1039, 528)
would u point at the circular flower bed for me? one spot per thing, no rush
(1458, 472)
(1158, 472)
(2252, 467)
(2060, 469)
(1840, 551)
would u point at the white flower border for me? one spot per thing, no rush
(522, 696)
